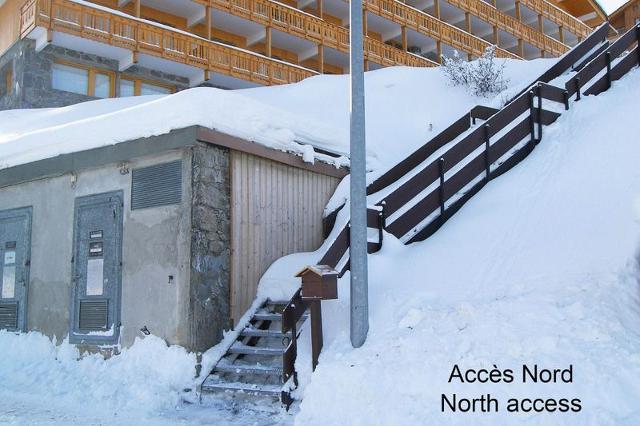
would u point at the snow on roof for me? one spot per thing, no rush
(404, 110)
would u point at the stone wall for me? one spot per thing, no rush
(210, 245)
(32, 75)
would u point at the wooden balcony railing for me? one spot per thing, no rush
(431, 26)
(558, 16)
(140, 36)
(304, 25)
(508, 23)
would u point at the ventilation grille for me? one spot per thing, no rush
(158, 185)
(93, 314)
(9, 316)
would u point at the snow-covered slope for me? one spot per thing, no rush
(541, 267)
(403, 105)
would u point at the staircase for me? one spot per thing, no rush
(413, 199)
(260, 362)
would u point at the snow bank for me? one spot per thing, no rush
(147, 377)
(541, 267)
(401, 111)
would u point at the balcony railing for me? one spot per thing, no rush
(120, 30)
(493, 16)
(310, 27)
(431, 26)
(558, 16)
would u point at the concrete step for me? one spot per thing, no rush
(211, 385)
(240, 369)
(255, 350)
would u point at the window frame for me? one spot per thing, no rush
(91, 77)
(138, 82)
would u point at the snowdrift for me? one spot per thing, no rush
(541, 267)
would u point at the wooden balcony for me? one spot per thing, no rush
(304, 25)
(432, 27)
(509, 24)
(558, 16)
(139, 36)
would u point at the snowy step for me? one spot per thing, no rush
(250, 388)
(266, 316)
(255, 350)
(255, 332)
(248, 369)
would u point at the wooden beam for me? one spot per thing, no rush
(365, 30)
(439, 51)
(137, 8)
(267, 42)
(436, 8)
(467, 22)
(207, 18)
(561, 33)
(403, 34)
(496, 36)
(520, 48)
(518, 14)
(320, 10)
(541, 29)
(321, 59)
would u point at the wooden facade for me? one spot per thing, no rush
(276, 209)
(264, 42)
(626, 16)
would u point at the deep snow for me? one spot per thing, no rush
(542, 266)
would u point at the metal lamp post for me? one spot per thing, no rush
(358, 201)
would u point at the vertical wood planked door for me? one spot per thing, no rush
(276, 210)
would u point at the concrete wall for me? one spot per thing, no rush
(156, 244)
(32, 75)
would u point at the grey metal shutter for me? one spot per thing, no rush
(94, 314)
(9, 316)
(158, 185)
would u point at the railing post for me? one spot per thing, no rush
(316, 332)
(441, 189)
(487, 147)
(607, 56)
(565, 96)
(532, 117)
(577, 80)
(539, 112)
(381, 224)
(638, 40)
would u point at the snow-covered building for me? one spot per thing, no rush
(59, 52)
(167, 234)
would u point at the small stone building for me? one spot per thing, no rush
(168, 235)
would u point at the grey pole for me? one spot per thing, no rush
(358, 201)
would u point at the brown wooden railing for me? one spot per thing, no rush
(519, 120)
(304, 25)
(508, 23)
(558, 16)
(433, 27)
(144, 37)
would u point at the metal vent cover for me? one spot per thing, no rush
(157, 185)
(9, 316)
(94, 314)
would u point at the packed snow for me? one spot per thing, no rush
(541, 267)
